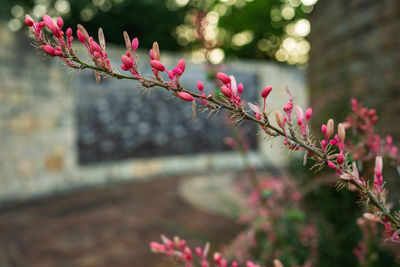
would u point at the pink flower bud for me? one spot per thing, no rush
(157, 247)
(288, 107)
(204, 263)
(378, 166)
(187, 253)
(151, 54)
(127, 61)
(49, 50)
(81, 37)
(226, 91)
(181, 64)
(185, 96)
(265, 92)
(223, 77)
(339, 158)
(300, 115)
(308, 113)
(329, 128)
(331, 165)
(389, 140)
(233, 85)
(69, 32)
(234, 264)
(50, 24)
(60, 22)
(217, 257)
(135, 44)
(341, 132)
(123, 67)
(200, 86)
(240, 88)
(323, 129)
(155, 64)
(177, 71)
(95, 47)
(280, 120)
(199, 252)
(28, 21)
(96, 54)
(170, 74)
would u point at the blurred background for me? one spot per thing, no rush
(91, 173)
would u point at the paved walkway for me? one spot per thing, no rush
(109, 226)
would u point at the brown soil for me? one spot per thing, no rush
(110, 226)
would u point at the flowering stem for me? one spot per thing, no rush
(244, 115)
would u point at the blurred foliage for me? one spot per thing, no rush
(273, 29)
(335, 213)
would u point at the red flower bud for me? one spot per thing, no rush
(49, 50)
(127, 61)
(223, 77)
(308, 113)
(240, 88)
(226, 91)
(155, 64)
(323, 129)
(339, 158)
(81, 37)
(181, 65)
(69, 32)
(123, 67)
(29, 21)
(266, 91)
(177, 71)
(135, 44)
(185, 96)
(50, 24)
(60, 22)
(200, 86)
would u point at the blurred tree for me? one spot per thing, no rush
(274, 29)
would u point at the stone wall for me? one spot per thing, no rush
(41, 121)
(356, 53)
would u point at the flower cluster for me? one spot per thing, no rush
(178, 250)
(274, 223)
(330, 151)
(369, 144)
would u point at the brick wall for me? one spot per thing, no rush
(356, 53)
